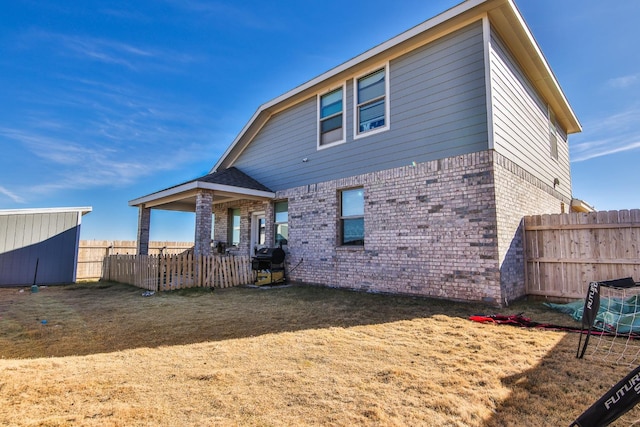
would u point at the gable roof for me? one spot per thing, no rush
(505, 19)
(232, 177)
(227, 185)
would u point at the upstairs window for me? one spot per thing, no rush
(352, 217)
(371, 106)
(331, 118)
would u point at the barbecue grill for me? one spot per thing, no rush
(269, 263)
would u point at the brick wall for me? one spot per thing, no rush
(204, 200)
(430, 229)
(247, 207)
(518, 193)
(448, 228)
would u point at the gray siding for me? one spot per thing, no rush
(51, 239)
(521, 124)
(437, 110)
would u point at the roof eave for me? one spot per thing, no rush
(526, 49)
(83, 210)
(187, 189)
(578, 205)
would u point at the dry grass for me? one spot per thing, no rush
(282, 357)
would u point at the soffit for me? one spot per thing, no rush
(526, 51)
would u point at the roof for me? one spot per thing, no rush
(505, 19)
(232, 177)
(227, 185)
(83, 210)
(578, 205)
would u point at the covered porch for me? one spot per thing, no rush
(225, 193)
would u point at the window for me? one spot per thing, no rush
(330, 118)
(281, 223)
(262, 231)
(371, 106)
(553, 135)
(352, 217)
(234, 227)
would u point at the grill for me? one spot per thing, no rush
(269, 263)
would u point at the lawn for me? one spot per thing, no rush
(101, 354)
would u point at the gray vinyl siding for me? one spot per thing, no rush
(437, 110)
(50, 239)
(521, 124)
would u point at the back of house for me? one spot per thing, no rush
(407, 169)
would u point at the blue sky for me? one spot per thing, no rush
(106, 101)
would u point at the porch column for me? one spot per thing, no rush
(144, 223)
(204, 206)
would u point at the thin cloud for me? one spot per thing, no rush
(624, 81)
(615, 134)
(128, 13)
(117, 114)
(112, 52)
(14, 197)
(592, 153)
(624, 120)
(244, 17)
(96, 161)
(110, 164)
(95, 49)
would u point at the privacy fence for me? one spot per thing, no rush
(91, 253)
(565, 252)
(170, 272)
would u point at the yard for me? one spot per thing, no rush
(101, 354)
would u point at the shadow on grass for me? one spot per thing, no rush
(103, 317)
(106, 317)
(560, 388)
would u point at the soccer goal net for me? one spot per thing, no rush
(611, 321)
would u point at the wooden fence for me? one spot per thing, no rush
(91, 253)
(564, 252)
(169, 272)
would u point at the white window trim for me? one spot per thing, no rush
(276, 223)
(342, 217)
(387, 103)
(231, 228)
(344, 117)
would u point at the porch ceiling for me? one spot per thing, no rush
(227, 186)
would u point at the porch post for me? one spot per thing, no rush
(204, 206)
(144, 223)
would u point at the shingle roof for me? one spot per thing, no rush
(227, 182)
(232, 177)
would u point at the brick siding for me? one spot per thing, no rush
(204, 200)
(247, 207)
(448, 229)
(518, 193)
(430, 230)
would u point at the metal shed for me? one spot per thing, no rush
(47, 238)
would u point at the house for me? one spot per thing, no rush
(39, 245)
(407, 169)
